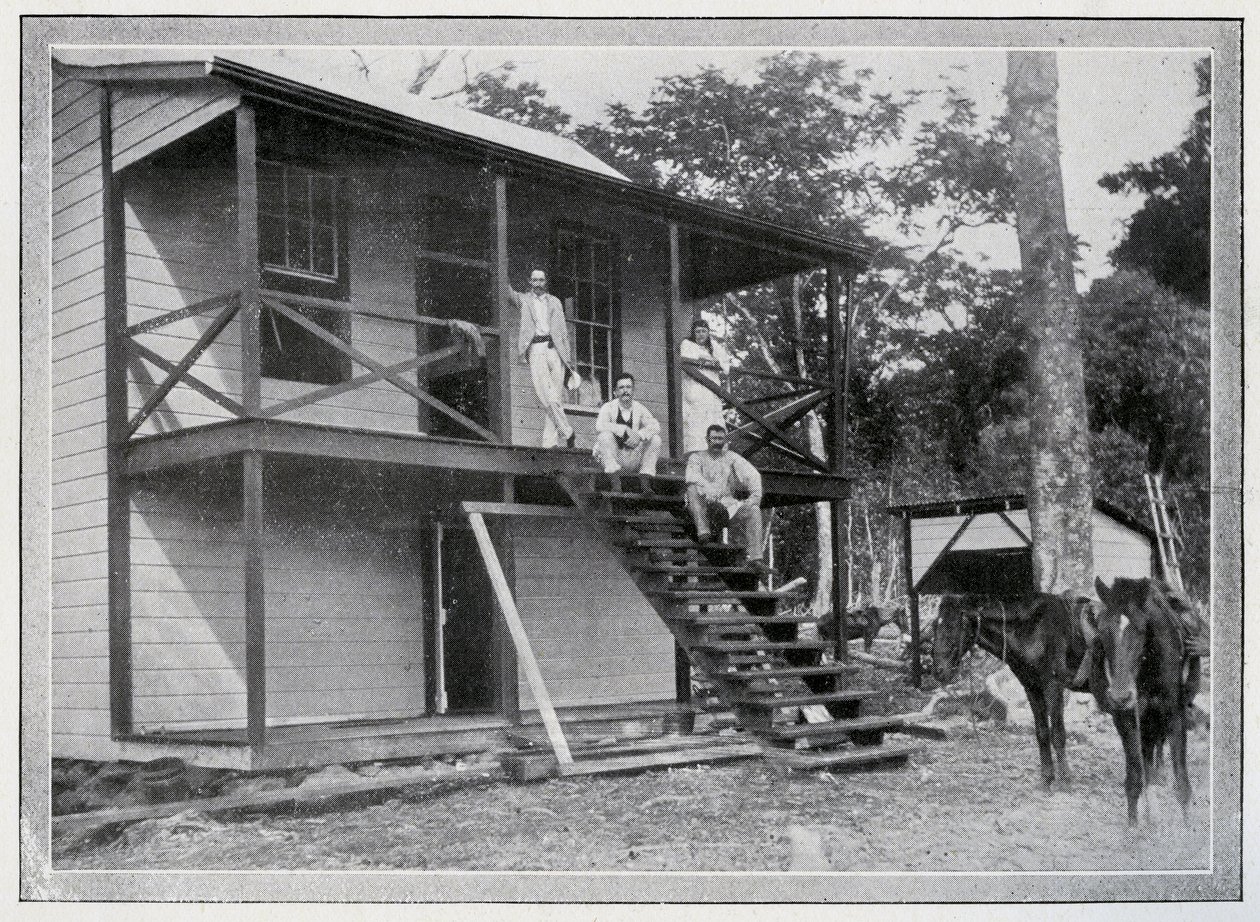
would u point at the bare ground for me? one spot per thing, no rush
(973, 802)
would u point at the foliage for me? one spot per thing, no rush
(1169, 237)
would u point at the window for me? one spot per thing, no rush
(584, 276)
(297, 220)
(302, 251)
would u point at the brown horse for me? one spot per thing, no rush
(1039, 637)
(1148, 645)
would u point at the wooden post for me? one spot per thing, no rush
(512, 620)
(118, 490)
(673, 335)
(505, 664)
(501, 373)
(247, 246)
(912, 599)
(255, 601)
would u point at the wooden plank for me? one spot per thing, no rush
(367, 362)
(192, 310)
(179, 372)
(255, 599)
(634, 763)
(78, 822)
(916, 665)
(247, 253)
(118, 497)
(501, 381)
(525, 655)
(673, 321)
(323, 393)
(186, 377)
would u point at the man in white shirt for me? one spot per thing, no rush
(724, 491)
(627, 435)
(543, 344)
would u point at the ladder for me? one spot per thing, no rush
(1165, 538)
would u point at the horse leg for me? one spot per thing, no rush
(1126, 726)
(1177, 743)
(1037, 702)
(1058, 735)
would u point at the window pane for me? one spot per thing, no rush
(299, 192)
(271, 240)
(323, 257)
(601, 353)
(323, 199)
(601, 308)
(583, 308)
(299, 246)
(599, 261)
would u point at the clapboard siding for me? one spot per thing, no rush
(596, 639)
(79, 614)
(533, 211)
(344, 628)
(148, 117)
(1120, 550)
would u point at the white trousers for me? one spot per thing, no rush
(638, 460)
(547, 371)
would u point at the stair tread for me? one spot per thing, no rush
(684, 543)
(844, 758)
(844, 725)
(784, 672)
(766, 701)
(709, 595)
(698, 569)
(646, 499)
(735, 619)
(748, 646)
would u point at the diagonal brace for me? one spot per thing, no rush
(181, 368)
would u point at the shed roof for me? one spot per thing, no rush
(267, 72)
(1005, 502)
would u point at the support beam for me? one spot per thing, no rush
(500, 377)
(252, 524)
(505, 663)
(512, 620)
(674, 322)
(247, 252)
(912, 597)
(118, 491)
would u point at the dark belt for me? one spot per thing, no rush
(542, 339)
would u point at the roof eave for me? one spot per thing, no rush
(269, 85)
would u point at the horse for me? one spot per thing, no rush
(1148, 644)
(1043, 641)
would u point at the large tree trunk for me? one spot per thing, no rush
(1060, 497)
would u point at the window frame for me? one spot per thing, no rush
(565, 285)
(282, 280)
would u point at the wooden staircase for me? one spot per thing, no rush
(745, 647)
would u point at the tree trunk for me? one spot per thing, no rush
(821, 603)
(1060, 499)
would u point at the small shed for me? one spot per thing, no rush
(982, 545)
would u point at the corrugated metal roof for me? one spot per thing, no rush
(329, 79)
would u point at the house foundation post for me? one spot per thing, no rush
(118, 488)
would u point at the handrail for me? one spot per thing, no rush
(769, 376)
(347, 307)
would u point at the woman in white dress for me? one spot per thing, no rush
(701, 408)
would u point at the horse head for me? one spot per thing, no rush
(951, 637)
(1127, 610)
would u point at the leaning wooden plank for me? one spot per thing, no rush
(525, 655)
(634, 763)
(71, 822)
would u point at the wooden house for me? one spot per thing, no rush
(268, 441)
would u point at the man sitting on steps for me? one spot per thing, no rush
(627, 436)
(724, 490)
